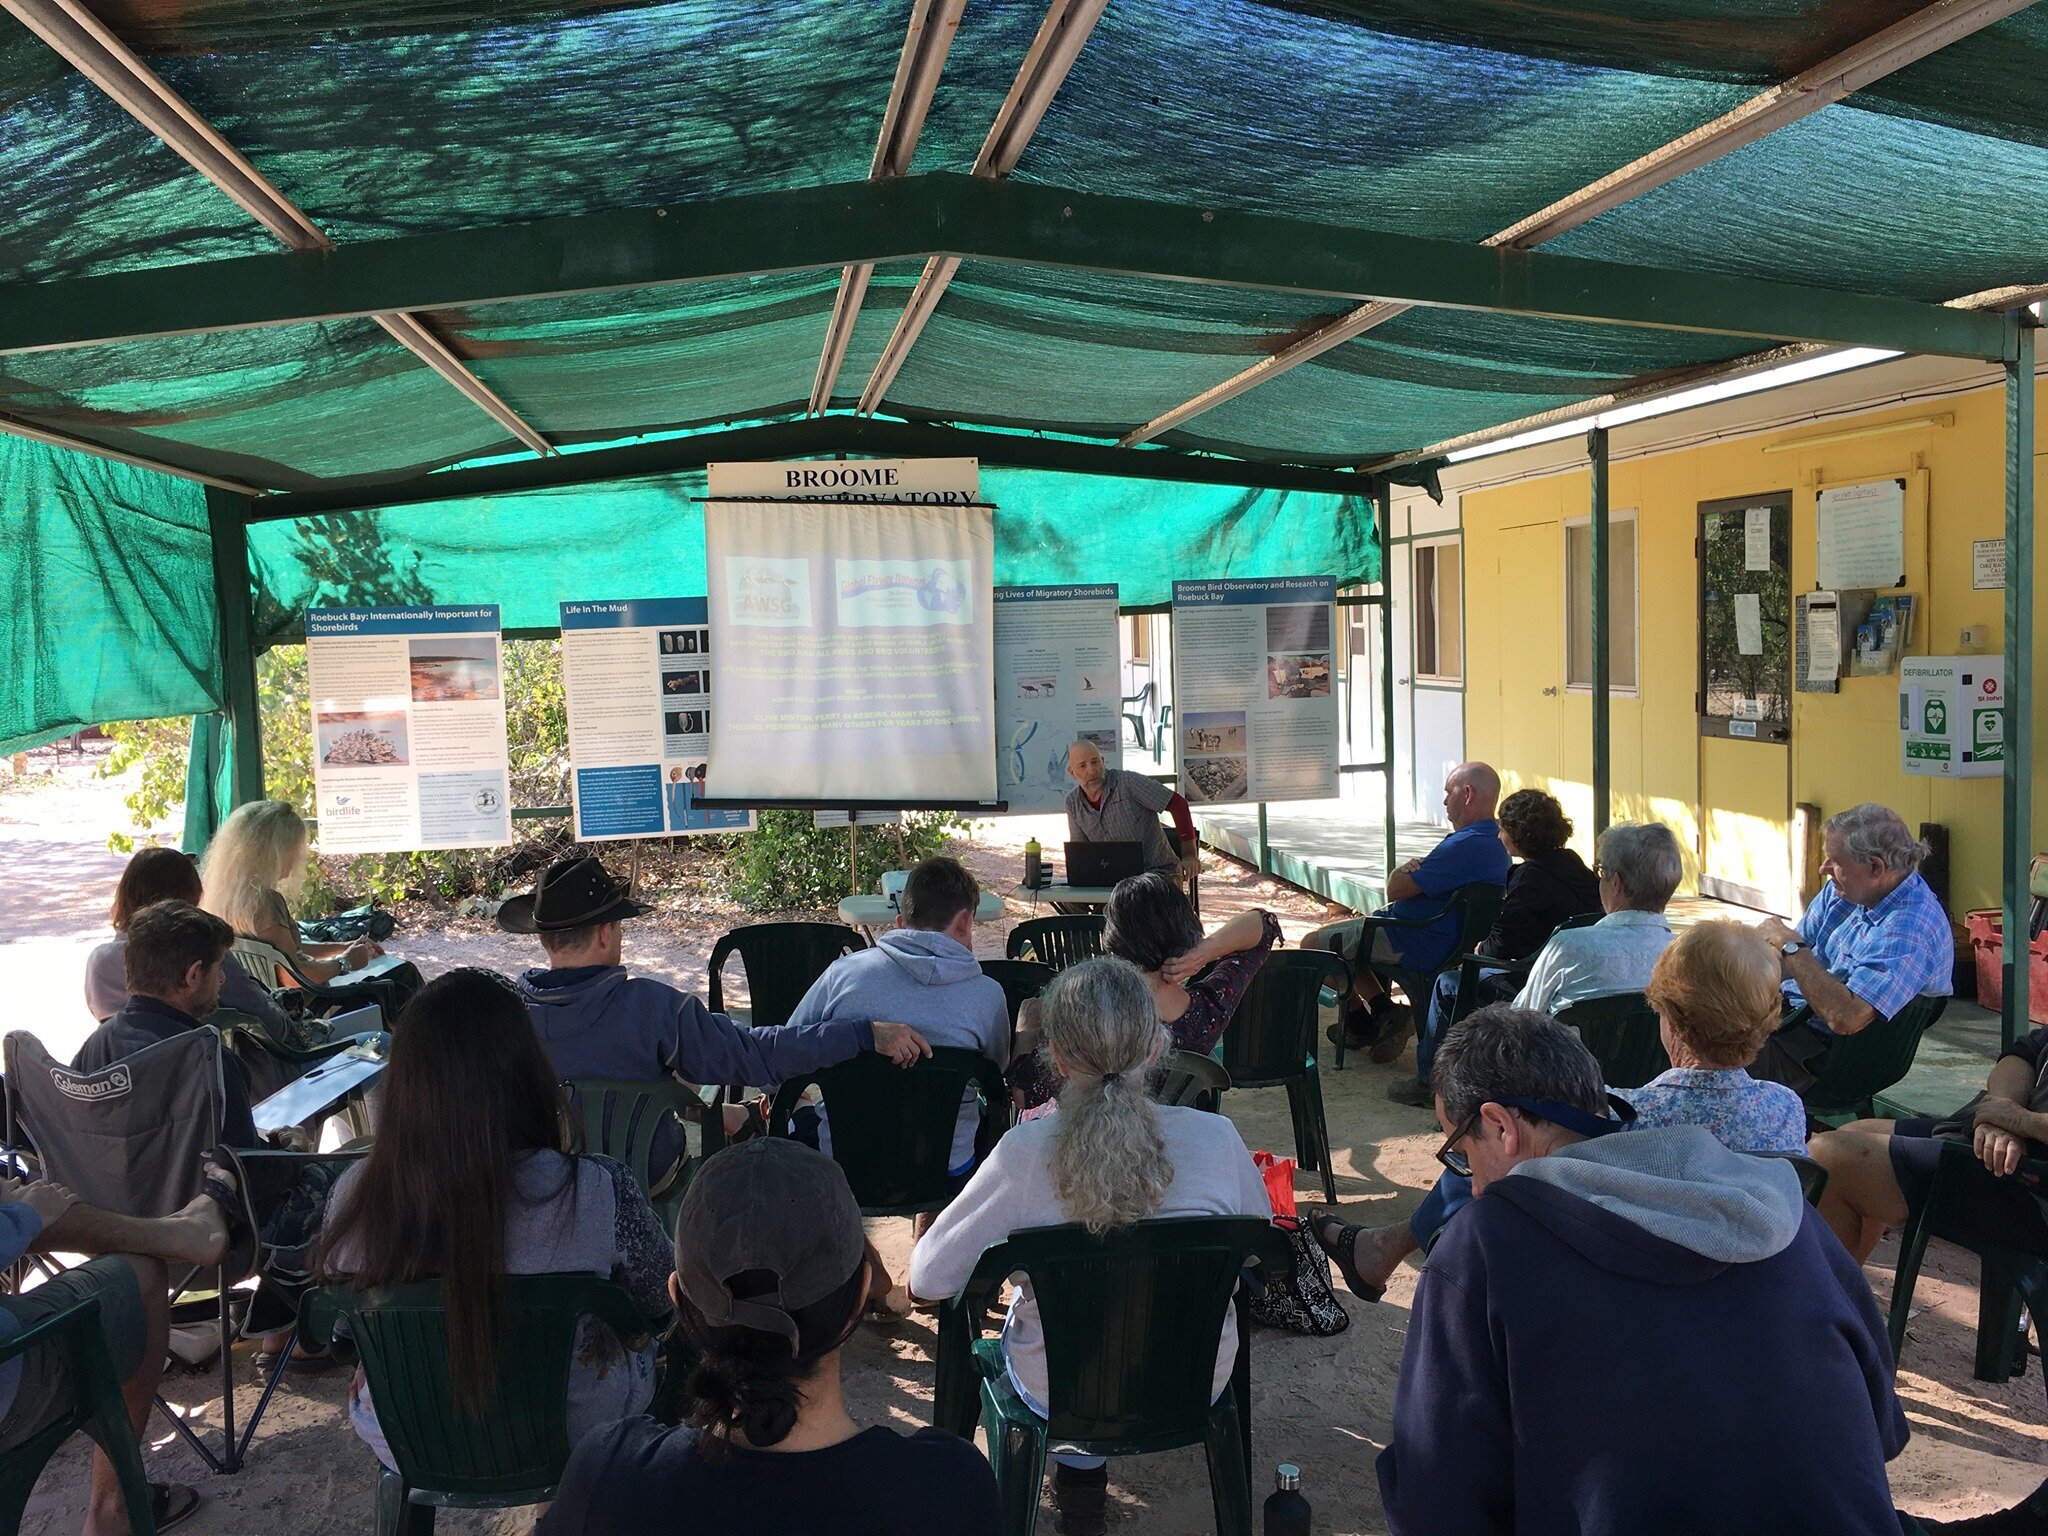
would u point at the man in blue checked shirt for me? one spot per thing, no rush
(1874, 939)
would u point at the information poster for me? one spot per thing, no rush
(1056, 684)
(408, 728)
(637, 676)
(1861, 535)
(1255, 709)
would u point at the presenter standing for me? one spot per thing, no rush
(1114, 805)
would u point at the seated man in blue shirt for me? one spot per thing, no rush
(1874, 939)
(1419, 889)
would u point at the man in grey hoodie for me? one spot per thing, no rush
(1627, 1333)
(923, 973)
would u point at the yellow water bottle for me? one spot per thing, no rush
(1033, 860)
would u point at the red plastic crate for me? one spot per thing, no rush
(1986, 929)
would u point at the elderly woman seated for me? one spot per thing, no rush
(1715, 989)
(1149, 923)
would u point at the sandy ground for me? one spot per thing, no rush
(1325, 1404)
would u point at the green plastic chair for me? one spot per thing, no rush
(1621, 1031)
(2007, 1272)
(511, 1455)
(780, 961)
(1132, 1321)
(1813, 1178)
(1057, 941)
(892, 1127)
(1271, 1043)
(1472, 965)
(95, 1407)
(1191, 1081)
(1021, 980)
(1476, 906)
(1858, 1067)
(621, 1120)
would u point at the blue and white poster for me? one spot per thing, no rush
(637, 676)
(408, 728)
(1056, 683)
(1255, 707)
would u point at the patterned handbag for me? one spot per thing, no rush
(1302, 1301)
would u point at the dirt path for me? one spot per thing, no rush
(1325, 1404)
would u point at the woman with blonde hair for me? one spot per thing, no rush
(254, 865)
(1715, 989)
(1108, 1158)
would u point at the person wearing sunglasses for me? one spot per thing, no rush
(1627, 1333)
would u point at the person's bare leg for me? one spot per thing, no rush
(1863, 1196)
(198, 1234)
(1380, 1250)
(106, 1514)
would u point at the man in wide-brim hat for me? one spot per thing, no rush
(598, 1021)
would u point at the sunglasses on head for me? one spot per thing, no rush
(1571, 1119)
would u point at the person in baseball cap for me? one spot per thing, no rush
(772, 1273)
(596, 1020)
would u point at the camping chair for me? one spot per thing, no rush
(2007, 1273)
(1132, 1321)
(1196, 1082)
(133, 1138)
(96, 1407)
(1270, 1043)
(1057, 941)
(1858, 1067)
(513, 1452)
(892, 1128)
(780, 962)
(1475, 907)
(644, 1126)
(1621, 1031)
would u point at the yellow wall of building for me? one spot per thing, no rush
(1845, 746)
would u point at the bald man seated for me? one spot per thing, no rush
(1419, 890)
(1114, 805)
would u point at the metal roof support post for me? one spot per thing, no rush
(226, 522)
(1596, 448)
(2019, 667)
(1384, 501)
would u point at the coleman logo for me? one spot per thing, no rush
(110, 1084)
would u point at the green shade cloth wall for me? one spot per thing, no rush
(106, 578)
(529, 552)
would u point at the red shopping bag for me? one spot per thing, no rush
(1278, 1172)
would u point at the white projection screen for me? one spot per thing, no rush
(852, 652)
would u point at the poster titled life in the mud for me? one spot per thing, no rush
(408, 728)
(1255, 706)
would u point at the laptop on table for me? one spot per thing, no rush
(1103, 864)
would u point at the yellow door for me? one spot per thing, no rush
(1745, 701)
(1530, 646)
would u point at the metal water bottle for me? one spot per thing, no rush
(1286, 1509)
(1033, 861)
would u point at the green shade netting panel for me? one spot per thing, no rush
(1846, 199)
(529, 552)
(106, 576)
(282, 406)
(679, 356)
(1248, 106)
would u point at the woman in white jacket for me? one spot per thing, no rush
(1108, 1158)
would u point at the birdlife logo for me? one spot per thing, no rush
(768, 593)
(903, 594)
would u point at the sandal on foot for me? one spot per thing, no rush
(171, 1503)
(1342, 1252)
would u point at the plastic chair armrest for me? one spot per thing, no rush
(76, 1318)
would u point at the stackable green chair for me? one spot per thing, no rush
(780, 961)
(511, 1454)
(1471, 965)
(2007, 1273)
(620, 1120)
(1858, 1067)
(1271, 1042)
(1057, 941)
(1621, 1031)
(1475, 907)
(1197, 1082)
(95, 1407)
(1132, 1320)
(892, 1128)
(1021, 980)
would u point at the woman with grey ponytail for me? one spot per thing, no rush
(1109, 1157)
